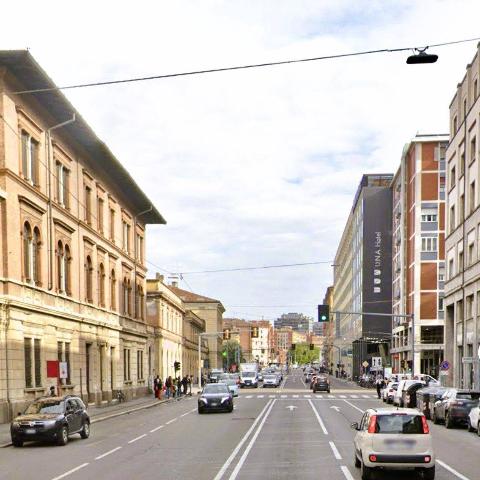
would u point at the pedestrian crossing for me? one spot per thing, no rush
(310, 396)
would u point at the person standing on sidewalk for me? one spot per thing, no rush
(379, 383)
(184, 384)
(156, 382)
(179, 387)
(168, 386)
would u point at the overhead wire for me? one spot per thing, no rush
(242, 67)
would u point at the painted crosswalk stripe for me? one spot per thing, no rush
(353, 396)
(284, 396)
(318, 396)
(307, 396)
(342, 396)
(260, 396)
(271, 396)
(366, 396)
(249, 396)
(295, 396)
(331, 396)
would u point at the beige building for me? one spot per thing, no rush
(165, 313)
(211, 311)
(193, 325)
(72, 243)
(462, 287)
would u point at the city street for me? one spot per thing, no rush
(273, 433)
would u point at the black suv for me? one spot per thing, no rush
(51, 419)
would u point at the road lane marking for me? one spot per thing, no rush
(366, 396)
(452, 470)
(353, 396)
(73, 470)
(346, 473)
(335, 451)
(260, 396)
(193, 410)
(284, 396)
(354, 406)
(185, 414)
(271, 396)
(156, 428)
(171, 421)
(240, 444)
(295, 396)
(320, 421)
(342, 396)
(318, 396)
(107, 453)
(307, 396)
(249, 396)
(138, 438)
(331, 396)
(250, 444)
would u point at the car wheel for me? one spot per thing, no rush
(367, 472)
(469, 425)
(17, 443)
(62, 436)
(230, 410)
(85, 433)
(448, 421)
(356, 461)
(429, 473)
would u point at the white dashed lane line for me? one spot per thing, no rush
(156, 428)
(346, 473)
(354, 406)
(107, 453)
(335, 451)
(452, 470)
(171, 421)
(138, 438)
(73, 470)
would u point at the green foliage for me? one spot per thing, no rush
(303, 354)
(230, 349)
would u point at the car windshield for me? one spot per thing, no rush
(248, 374)
(216, 388)
(468, 395)
(230, 381)
(45, 406)
(399, 424)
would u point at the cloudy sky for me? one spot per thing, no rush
(254, 167)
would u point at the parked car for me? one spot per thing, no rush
(391, 439)
(215, 397)
(389, 391)
(321, 384)
(398, 397)
(51, 419)
(409, 394)
(454, 406)
(473, 420)
(426, 398)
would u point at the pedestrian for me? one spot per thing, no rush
(184, 384)
(160, 389)
(156, 382)
(168, 386)
(190, 380)
(179, 387)
(379, 384)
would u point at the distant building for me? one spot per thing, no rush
(298, 321)
(363, 275)
(462, 287)
(283, 340)
(418, 255)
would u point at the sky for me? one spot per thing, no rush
(254, 167)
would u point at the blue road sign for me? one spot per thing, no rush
(445, 365)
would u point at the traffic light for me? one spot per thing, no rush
(312, 347)
(323, 313)
(224, 353)
(226, 334)
(402, 364)
(293, 346)
(176, 366)
(254, 332)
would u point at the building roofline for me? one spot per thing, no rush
(31, 75)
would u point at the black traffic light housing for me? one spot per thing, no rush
(254, 332)
(323, 313)
(293, 346)
(176, 366)
(226, 334)
(312, 347)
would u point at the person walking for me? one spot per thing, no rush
(156, 382)
(168, 386)
(190, 381)
(179, 387)
(184, 384)
(379, 384)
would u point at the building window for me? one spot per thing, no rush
(461, 169)
(429, 217)
(473, 149)
(472, 202)
(129, 298)
(453, 176)
(89, 280)
(140, 364)
(461, 208)
(126, 365)
(139, 248)
(62, 185)
(33, 372)
(471, 253)
(88, 205)
(429, 244)
(441, 305)
(452, 218)
(451, 271)
(125, 296)
(475, 89)
(126, 236)
(113, 288)
(100, 215)
(101, 284)
(31, 254)
(464, 107)
(142, 303)
(63, 268)
(63, 349)
(112, 225)
(137, 300)
(454, 125)
(29, 158)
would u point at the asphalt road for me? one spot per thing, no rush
(280, 433)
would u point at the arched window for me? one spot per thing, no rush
(101, 286)
(27, 252)
(36, 242)
(67, 258)
(113, 289)
(60, 267)
(89, 280)
(136, 294)
(125, 296)
(141, 303)
(129, 297)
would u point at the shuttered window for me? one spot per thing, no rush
(38, 369)
(28, 362)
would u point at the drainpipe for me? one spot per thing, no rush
(6, 309)
(49, 191)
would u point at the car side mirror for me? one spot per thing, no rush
(354, 426)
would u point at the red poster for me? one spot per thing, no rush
(52, 369)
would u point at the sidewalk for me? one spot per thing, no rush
(98, 414)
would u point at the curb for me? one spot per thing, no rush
(123, 412)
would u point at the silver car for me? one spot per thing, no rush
(389, 439)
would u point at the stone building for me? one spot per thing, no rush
(72, 243)
(462, 286)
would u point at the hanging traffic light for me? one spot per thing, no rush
(226, 334)
(254, 332)
(312, 347)
(293, 346)
(176, 366)
(323, 313)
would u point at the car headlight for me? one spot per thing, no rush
(202, 399)
(16, 424)
(49, 423)
(224, 399)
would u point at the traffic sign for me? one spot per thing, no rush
(365, 364)
(445, 365)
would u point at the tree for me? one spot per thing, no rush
(231, 353)
(303, 354)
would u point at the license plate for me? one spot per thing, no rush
(214, 404)
(30, 430)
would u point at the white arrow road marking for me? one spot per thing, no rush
(291, 407)
(337, 409)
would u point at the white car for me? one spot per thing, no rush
(402, 387)
(393, 439)
(270, 380)
(389, 391)
(473, 420)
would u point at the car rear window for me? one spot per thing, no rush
(468, 395)
(399, 424)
